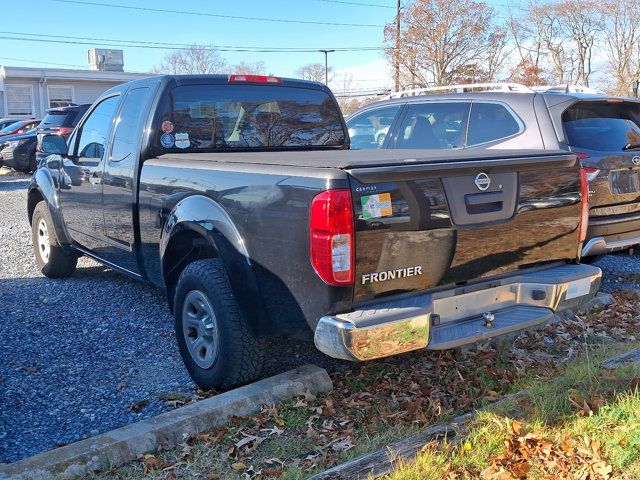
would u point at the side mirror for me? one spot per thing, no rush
(54, 145)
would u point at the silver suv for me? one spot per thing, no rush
(603, 131)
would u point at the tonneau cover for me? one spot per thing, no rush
(348, 159)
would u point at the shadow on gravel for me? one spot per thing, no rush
(93, 352)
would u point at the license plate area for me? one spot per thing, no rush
(625, 181)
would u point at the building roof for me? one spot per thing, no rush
(69, 74)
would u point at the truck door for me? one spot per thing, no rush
(118, 181)
(81, 177)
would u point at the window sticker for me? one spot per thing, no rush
(167, 126)
(376, 206)
(167, 141)
(182, 140)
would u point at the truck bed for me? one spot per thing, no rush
(348, 159)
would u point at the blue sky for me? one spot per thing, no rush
(51, 17)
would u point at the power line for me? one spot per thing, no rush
(40, 62)
(356, 3)
(122, 43)
(184, 45)
(205, 14)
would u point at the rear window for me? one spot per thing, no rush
(54, 119)
(221, 117)
(602, 126)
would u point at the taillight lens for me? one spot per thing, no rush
(584, 201)
(64, 131)
(331, 237)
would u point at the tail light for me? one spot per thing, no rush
(332, 237)
(254, 79)
(64, 131)
(584, 201)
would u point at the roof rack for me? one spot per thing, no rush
(565, 88)
(462, 88)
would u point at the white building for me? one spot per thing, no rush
(29, 92)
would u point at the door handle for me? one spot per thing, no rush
(94, 179)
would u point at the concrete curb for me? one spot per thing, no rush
(630, 357)
(168, 429)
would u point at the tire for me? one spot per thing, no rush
(217, 347)
(53, 261)
(33, 165)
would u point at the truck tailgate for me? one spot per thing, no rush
(427, 224)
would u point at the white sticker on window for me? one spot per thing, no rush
(578, 288)
(182, 140)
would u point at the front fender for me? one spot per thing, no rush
(43, 187)
(207, 218)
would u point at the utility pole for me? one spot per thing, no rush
(326, 64)
(397, 62)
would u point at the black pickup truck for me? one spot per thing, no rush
(240, 198)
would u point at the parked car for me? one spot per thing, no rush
(240, 198)
(59, 121)
(18, 128)
(19, 151)
(5, 122)
(603, 131)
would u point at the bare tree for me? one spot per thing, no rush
(444, 40)
(582, 23)
(554, 40)
(313, 72)
(244, 68)
(621, 31)
(525, 31)
(198, 59)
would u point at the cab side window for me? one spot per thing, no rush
(369, 129)
(435, 125)
(94, 131)
(490, 122)
(129, 124)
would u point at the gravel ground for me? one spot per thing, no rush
(76, 355)
(97, 351)
(622, 271)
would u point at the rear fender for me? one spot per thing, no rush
(204, 217)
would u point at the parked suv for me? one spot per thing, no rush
(59, 121)
(604, 131)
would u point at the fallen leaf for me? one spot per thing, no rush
(151, 462)
(238, 466)
(138, 406)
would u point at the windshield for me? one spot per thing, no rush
(220, 117)
(12, 127)
(603, 126)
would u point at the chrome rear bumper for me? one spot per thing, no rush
(601, 246)
(458, 316)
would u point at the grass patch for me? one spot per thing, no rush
(584, 423)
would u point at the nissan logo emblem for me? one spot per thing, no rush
(636, 160)
(482, 181)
